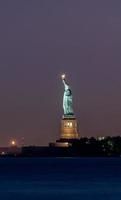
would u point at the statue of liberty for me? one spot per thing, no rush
(67, 98)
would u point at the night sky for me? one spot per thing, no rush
(40, 39)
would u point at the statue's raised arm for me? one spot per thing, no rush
(64, 82)
(67, 98)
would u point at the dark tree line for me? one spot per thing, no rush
(108, 146)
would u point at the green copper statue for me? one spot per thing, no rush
(67, 98)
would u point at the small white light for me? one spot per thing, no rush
(63, 76)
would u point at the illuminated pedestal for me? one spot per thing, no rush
(69, 128)
(69, 132)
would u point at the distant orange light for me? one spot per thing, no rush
(13, 143)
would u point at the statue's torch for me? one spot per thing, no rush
(63, 76)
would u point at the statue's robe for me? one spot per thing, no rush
(67, 100)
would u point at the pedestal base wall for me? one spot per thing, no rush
(69, 128)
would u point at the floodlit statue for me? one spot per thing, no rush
(67, 98)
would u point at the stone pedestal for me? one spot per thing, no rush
(69, 128)
(69, 132)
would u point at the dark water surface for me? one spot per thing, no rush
(60, 178)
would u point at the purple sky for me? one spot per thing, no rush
(41, 39)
